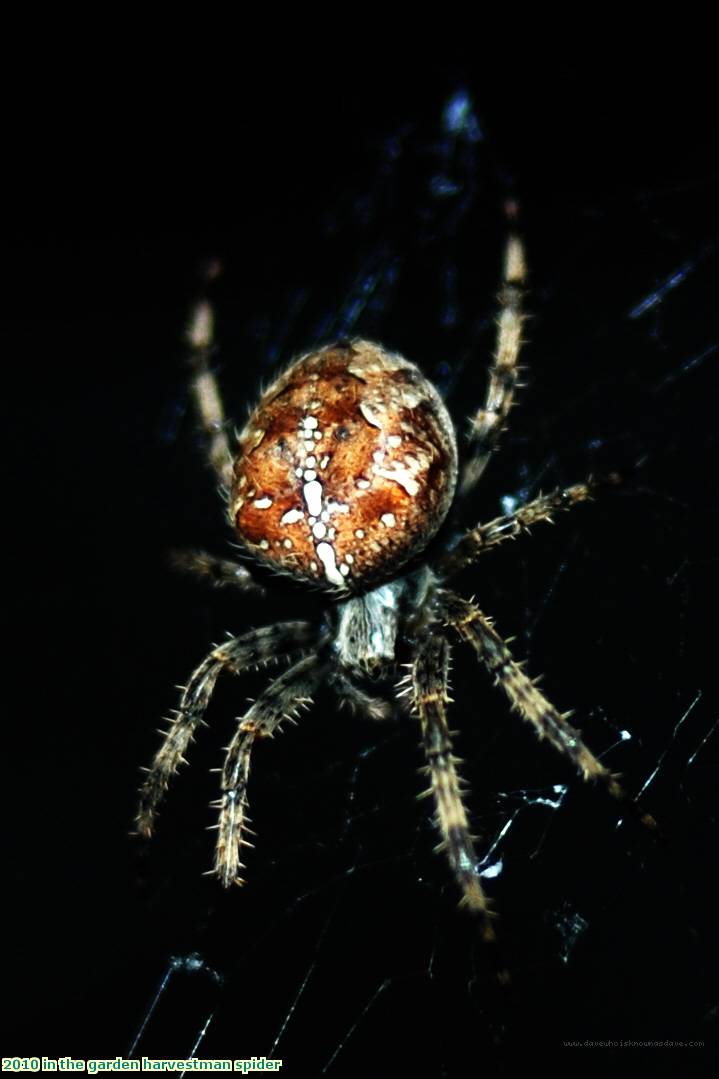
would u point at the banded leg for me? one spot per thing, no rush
(252, 649)
(475, 628)
(282, 700)
(480, 539)
(208, 402)
(429, 685)
(220, 572)
(487, 424)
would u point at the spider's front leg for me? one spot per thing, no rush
(282, 700)
(236, 656)
(477, 630)
(429, 679)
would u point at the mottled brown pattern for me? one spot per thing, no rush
(385, 460)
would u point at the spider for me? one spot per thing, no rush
(345, 470)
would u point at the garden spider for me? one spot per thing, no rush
(346, 469)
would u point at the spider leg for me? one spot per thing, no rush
(200, 337)
(252, 649)
(475, 628)
(488, 422)
(429, 679)
(220, 572)
(478, 540)
(282, 700)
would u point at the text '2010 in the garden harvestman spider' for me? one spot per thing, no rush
(345, 470)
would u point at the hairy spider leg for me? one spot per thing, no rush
(200, 337)
(281, 700)
(485, 536)
(219, 572)
(476, 629)
(430, 694)
(252, 649)
(488, 422)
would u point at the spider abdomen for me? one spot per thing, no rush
(347, 467)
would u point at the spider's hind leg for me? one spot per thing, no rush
(200, 338)
(488, 422)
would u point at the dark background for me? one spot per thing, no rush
(341, 201)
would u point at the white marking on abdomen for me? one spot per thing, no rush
(312, 492)
(399, 475)
(326, 555)
(369, 415)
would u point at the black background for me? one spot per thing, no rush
(342, 198)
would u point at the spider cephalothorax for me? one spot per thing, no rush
(345, 471)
